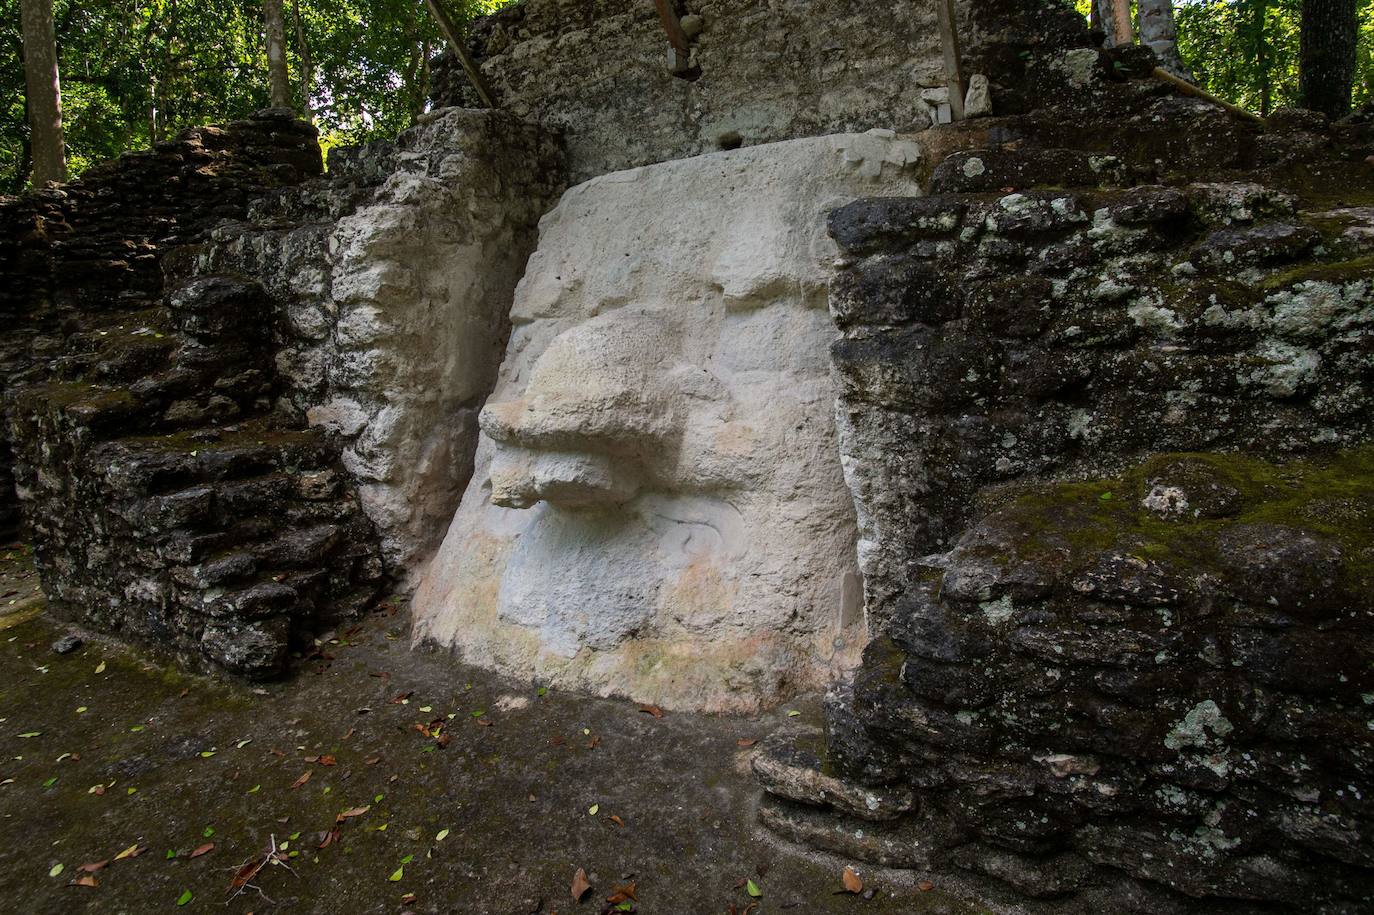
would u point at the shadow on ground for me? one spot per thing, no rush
(104, 750)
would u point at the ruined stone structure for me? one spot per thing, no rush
(1127, 679)
(1042, 439)
(392, 280)
(761, 71)
(165, 500)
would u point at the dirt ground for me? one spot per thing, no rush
(104, 750)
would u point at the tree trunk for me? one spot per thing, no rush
(1115, 19)
(1157, 32)
(277, 78)
(43, 95)
(1258, 34)
(1327, 59)
(307, 64)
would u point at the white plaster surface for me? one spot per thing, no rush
(657, 508)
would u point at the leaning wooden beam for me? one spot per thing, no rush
(460, 50)
(949, 41)
(1188, 88)
(680, 52)
(668, 16)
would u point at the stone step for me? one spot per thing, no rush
(893, 844)
(995, 170)
(791, 766)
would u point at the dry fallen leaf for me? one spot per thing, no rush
(203, 850)
(652, 710)
(852, 881)
(305, 777)
(580, 886)
(94, 866)
(87, 880)
(746, 742)
(133, 851)
(352, 812)
(402, 697)
(372, 760)
(622, 894)
(328, 839)
(328, 760)
(617, 820)
(310, 759)
(926, 886)
(246, 873)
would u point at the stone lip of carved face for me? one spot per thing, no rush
(614, 406)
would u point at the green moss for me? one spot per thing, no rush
(1361, 268)
(1071, 523)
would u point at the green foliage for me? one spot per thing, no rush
(136, 71)
(1246, 51)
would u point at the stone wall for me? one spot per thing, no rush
(658, 509)
(1119, 679)
(165, 499)
(394, 277)
(762, 71)
(91, 246)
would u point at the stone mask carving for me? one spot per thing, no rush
(658, 508)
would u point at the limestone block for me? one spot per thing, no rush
(658, 508)
(978, 99)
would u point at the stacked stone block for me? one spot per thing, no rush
(1105, 413)
(165, 499)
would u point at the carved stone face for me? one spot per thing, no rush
(658, 508)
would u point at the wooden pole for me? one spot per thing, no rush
(1188, 88)
(949, 41)
(460, 51)
(679, 52)
(668, 16)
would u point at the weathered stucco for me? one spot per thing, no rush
(658, 508)
(392, 280)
